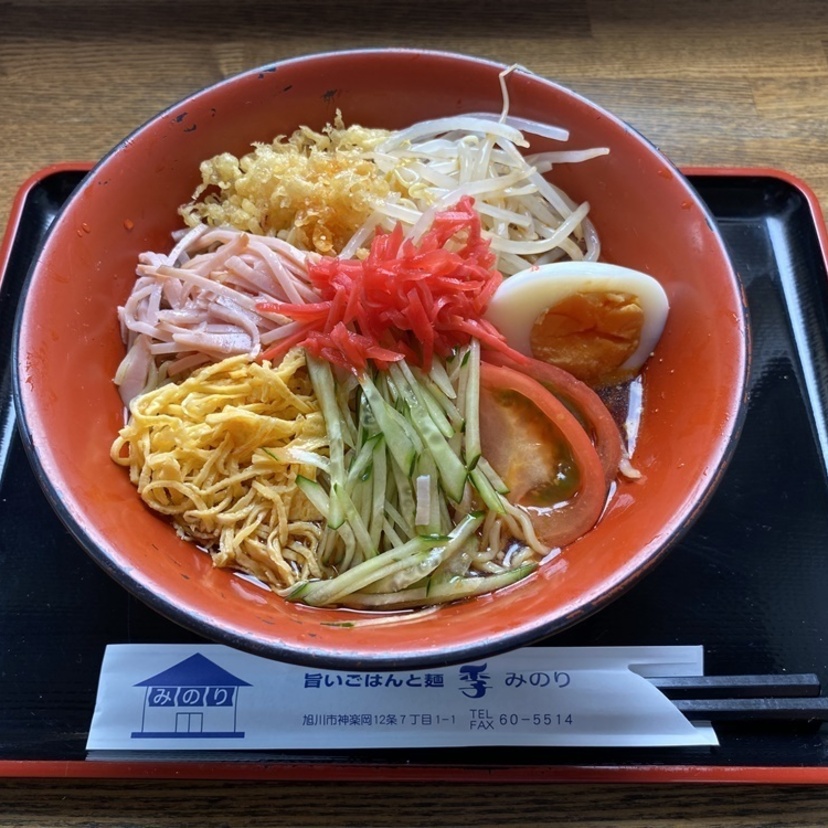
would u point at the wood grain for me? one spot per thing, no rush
(711, 83)
(720, 83)
(218, 804)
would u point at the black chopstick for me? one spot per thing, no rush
(785, 697)
(739, 687)
(736, 710)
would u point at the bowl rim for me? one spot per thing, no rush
(344, 657)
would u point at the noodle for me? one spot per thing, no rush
(366, 489)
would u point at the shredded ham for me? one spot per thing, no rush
(199, 303)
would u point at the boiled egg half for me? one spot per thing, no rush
(598, 321)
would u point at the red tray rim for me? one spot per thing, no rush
(262, 769)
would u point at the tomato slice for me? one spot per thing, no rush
(542, 453)
(576, 396)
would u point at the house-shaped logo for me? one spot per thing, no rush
(194, 699)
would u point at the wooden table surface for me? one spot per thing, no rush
(711, 83)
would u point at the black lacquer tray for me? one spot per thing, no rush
(749, 582)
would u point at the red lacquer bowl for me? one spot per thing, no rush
(68, 347)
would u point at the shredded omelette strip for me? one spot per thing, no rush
(215, 453)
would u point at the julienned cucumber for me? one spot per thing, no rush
(319, 593)
(323, 384)
(404, 471)
(450, 466)
(438, 591)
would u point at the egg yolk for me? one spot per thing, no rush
(591, 335)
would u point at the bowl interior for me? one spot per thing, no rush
(69, 346)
